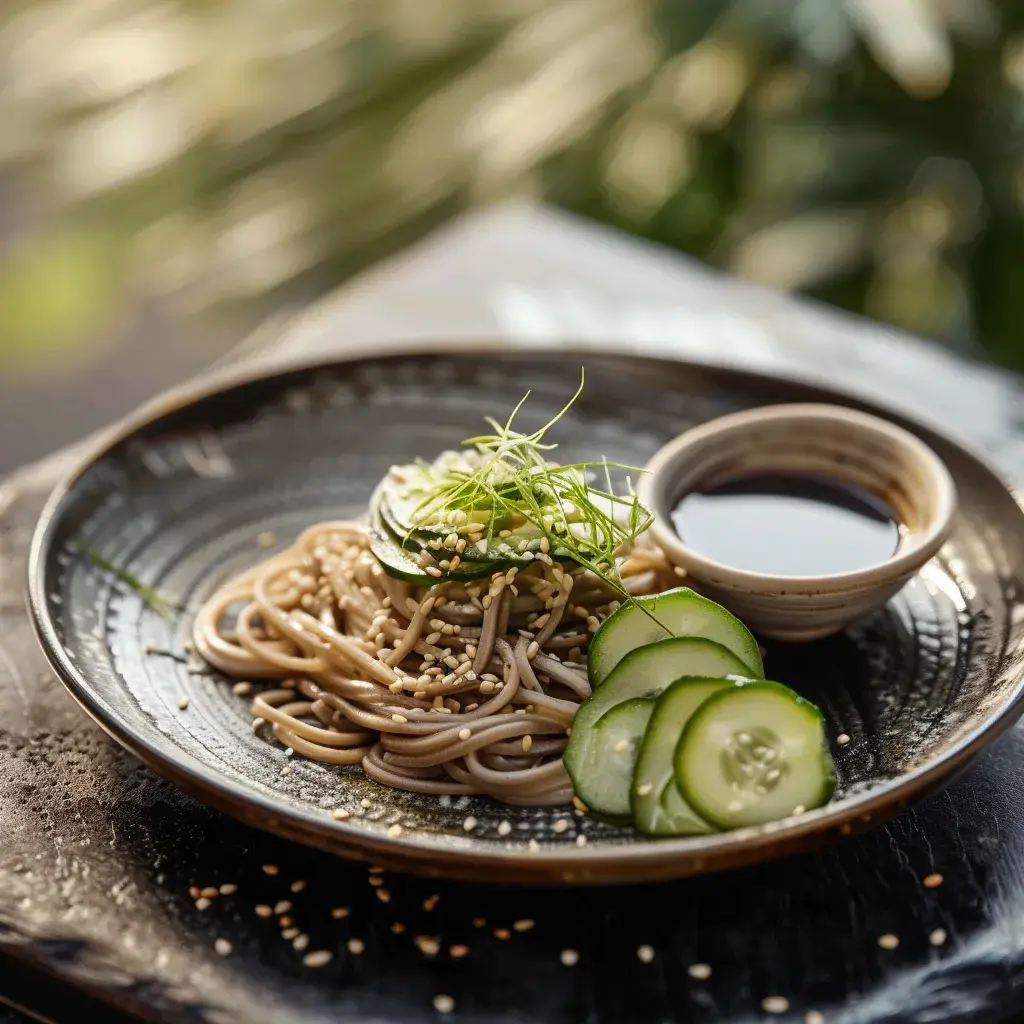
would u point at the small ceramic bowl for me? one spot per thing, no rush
(826, 440)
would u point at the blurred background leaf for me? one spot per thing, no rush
(224, 156)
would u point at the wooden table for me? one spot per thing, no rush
(98, 854)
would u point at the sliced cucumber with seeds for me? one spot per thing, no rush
(403, 565)
(754, 753)
(620, 732)
(680, 612)
(645, 672)
(658, 807)
(503, 550)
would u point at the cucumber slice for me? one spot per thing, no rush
(620, 732)
(645, 672)
(403, 565)
(754, 753)
(679, 612)
(658, 807)
(499, 550)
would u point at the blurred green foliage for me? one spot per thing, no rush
(224, 152)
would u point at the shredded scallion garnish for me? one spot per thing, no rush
(510, 476)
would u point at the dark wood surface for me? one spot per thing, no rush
(98, 854)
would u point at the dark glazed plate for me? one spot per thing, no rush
(178, 498)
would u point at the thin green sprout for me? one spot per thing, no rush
(512, 476)
(163, 607)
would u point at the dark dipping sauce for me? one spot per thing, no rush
(788, 525)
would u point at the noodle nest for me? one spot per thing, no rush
(458, 688)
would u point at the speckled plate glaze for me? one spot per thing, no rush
(178, 497)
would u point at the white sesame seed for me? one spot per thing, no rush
(290, 933)
(339, 814)
(814, 1017)
(523, 925)
(645, 953)
(888, 941)
(569, 957)
(241, 689)
(356, 946)
(339, 912)
(699, 971)
(469, 824)
(775, 1004)
(427, 945)
(465, 734)
(202, 903)
(183, 703)
(938, 937)
(401, 719)
(365, 804)
(560, 826)
(644, 788)
(504, 828)
(228, 888)
(282, 906)
(527, 743)
(533, 846)
(262, 910)
(395, 831)
(223, 947)
(433, 571)
(842, 739)
(443, 1003)
(320, 957)
(300, 942)
(581, 840)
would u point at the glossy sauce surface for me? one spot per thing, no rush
(788, 525)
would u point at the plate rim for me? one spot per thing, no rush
(631, 862)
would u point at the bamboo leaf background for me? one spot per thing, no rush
(225, 155)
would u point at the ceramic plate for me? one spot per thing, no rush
(178, 498)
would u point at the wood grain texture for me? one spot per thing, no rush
(98, 855)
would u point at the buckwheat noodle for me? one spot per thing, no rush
(458, 688)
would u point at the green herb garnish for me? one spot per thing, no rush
(511, 478)
(161, 605)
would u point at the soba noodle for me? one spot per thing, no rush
(459, 688)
